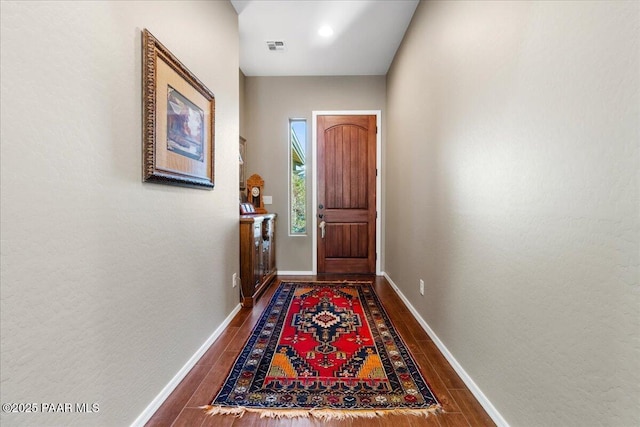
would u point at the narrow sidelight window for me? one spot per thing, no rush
(298, 177)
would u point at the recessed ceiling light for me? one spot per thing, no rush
(325, 31)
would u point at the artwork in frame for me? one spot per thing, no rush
(178, 120)
(243, 156)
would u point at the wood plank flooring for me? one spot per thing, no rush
(203, 381)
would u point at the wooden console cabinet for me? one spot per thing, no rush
(257, 255)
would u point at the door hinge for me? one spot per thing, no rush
(376, 171)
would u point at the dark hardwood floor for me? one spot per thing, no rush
(198, 388)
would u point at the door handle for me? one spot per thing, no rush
(322, 225)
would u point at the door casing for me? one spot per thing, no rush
(314, 166)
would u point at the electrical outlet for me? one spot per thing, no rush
(234, 280)
(421, 287)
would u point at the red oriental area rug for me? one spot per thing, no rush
(327, 350)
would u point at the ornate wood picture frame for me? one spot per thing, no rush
(243, 159)
(178, 120)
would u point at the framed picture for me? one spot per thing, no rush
(178, 120)
(243, 157)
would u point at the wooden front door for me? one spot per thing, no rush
(346, 194)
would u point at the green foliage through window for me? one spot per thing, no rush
(298, 190)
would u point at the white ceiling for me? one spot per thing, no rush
(367, 34)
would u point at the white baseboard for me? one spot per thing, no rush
(295, 273)
(479, 395)
(166, 391)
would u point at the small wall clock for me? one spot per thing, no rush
(255, 187)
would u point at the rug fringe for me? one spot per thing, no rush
(321, 414)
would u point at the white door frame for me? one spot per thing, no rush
(314, 166)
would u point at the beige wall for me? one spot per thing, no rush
(271, 102)
(109, 285)
(513, 130)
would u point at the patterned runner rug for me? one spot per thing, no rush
(326, 350)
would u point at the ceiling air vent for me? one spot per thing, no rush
(275, 45)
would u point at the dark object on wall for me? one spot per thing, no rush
(178, 120)
(243, 159)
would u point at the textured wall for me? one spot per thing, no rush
(109, 285)
(270, 103)
(513, 130)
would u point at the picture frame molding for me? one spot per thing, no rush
(152, 51)
(243, 169)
